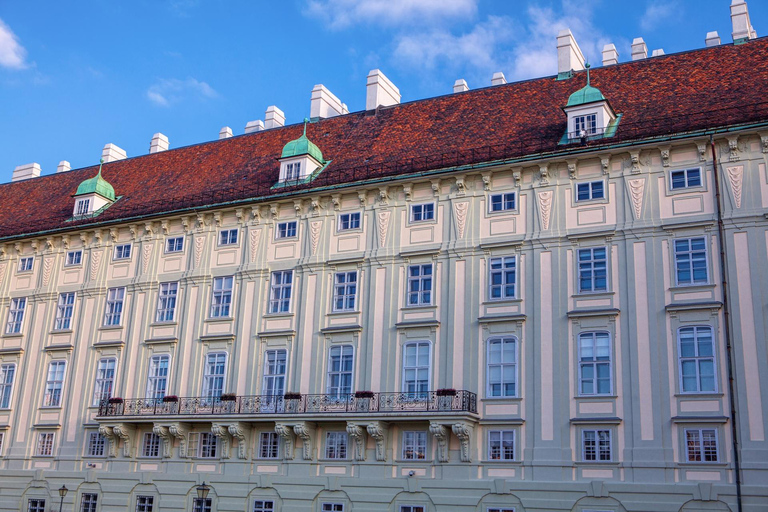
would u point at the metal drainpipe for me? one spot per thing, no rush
(727, 322)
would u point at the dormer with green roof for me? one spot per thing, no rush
(589, 114)
(93, 195)
(300, 160)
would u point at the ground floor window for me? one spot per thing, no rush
(263, 506)
(36, 506)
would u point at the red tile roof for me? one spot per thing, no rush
(688, 92)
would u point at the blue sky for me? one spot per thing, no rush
(77, 75)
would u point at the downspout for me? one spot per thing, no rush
(727, 322)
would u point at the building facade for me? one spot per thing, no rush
(484, 321)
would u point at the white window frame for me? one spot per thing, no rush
(686, 179)
(345, 291)
(273, 382)
(292, 171)
(269, 445)
(45, 441)
(586, 122)
(167, 295)
(214, 374)
(697, 359)
(692, 256)
(89, 502)
(599, 445)
(113, 309)
(35, 505)
(65, 308)
(26, 264)
(502, 267)
(594, 362)
(336, 445)
(207, 446)
(501, 365)
(690, 451)
(7, 378)
(150, 445)
(104, 385)
(82, 207)
(16, 315)
(97, 444)
(74, 258)
(122, 252)
(414, 444)
(504, 509)
(413, 385)
(413, 508)
(340, 374)
(591, 187)
(158, 373)
(503, 199)
(421, 285)
(174, 244)
(592, 269)
(503, 437)
(221, 297)
(287, 229)
(422, 212)
(346, 221)
(260, 505)
(228, 237)
(54, 384)
(145, 503)
(281, 291)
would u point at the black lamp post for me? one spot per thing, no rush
(63, 492)
(202, 494)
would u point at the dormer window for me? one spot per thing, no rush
(590, 116)
(292, 171)
(82, 207)
(92, 196)
(300, 161)
(586, 123)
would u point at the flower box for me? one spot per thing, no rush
(292, 396)
(170, 398)
(363, 394)
(115, 400)
(446, 392)
(228, 397)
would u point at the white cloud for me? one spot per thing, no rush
(338, 14)
(12, 54)
(657, 13)
(166, 92)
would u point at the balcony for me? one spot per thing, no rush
(361, 403)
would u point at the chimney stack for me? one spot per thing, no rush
(380, 91)
(742, 28)
(225, 132)
(112, 153)
(610, 55)
(274, 117)
(254, 126)
(159, 143)
(63, 166)
(324, 103)
(498, 79)
(657, 53)
(713, 39)
(460, 86)
(639, 49)
(569, 56)
(25, 172)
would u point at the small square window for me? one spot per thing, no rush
(122, 252)
(175, 244)
(263, 506)
(691, 261)
(151, 446)
(411, 508)
(586, 123)
(269, 445)
(687, 178)
(701, 445)
(36, 505)
(144, 503)
(45, 444)
(228, 237)
(414, 445)
(286, 229)
(96, 443)
(496, 509)
(501, 445)
(596, 445)
(422, 212)
(349, 221)
(88, 502)
(503, 202)
(332, 507)
(590, 191)
(74, 258)
(25, 264)
(336, 445)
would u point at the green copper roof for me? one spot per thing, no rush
(586, 94)
(302, 146)
(97, 185)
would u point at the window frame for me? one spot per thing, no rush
(6, 385)
(272, 381)
(417, 393)
(598, 454)
(346, 355)
(580, 122)
(53, 384)
(167, 299)
(16, 311)
(65, 311)
(345, 297)
(417, 437)
(287, 230)
(594, 363)
(224, 238)
(221, 297)
(262, 505)
(279, 303)
(690, 252)
(686, 179)
(591, 187)
(122, 252)
(100, 382)
(170, 246)
(89, 502)
(502, 271)
(422, 290)
(207, 446)
(687, 446)
(502, 196)
(26, 264)
(292, 171)
(42, 446)
(39, 505)
(489, 445)
(336, 445)
(350, 216)
(150, 445)
(269, 442)
(155, 376)
(593, 269)
(211, 380)
(489, 364)
(113, 307)
(95, 440)
(70, 257)
(697, 358)
(83, 207)
(423, 211)
(145, 503)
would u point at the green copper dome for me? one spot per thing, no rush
(96, 185)
(302, 146)
(586, 94)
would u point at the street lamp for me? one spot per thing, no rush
(62, 492)
(202, 494)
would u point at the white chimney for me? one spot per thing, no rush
(254, 126)
(657, 53)
(460, 86)
(742, 28)
(639, 49)
(498, 79)
(610, 55)
(63, 166)
(713, 39)
(112, 153)
(344, 108)
(225, 133)
(324, 103)
(380, 91)
(274, 117)
(25, 172)
(159, 143)
(569, 56)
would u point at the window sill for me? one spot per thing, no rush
(414, 462)
(227, 246)
(215, 319)
(286, 239)
(592, 295)
(343, 312)
(50, 407)
(497, 399)
(703, 396)
(494, 462)
(602, 464)
(409, 307)
(342, 232)
(77, 265)
(61, 331)
(110, 327)
(492, 302)
(692, 286)
(334, 461)
(13, 335)
(283, 314)
(417, 223)
(702, 465)
(164, 324)
(502, 213)
(596, 397)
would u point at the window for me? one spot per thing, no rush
(157, 379)
(333, 507)
(114, 311)
(222, 297)
(685, 179)
(280, 296)
(269, 445)
(144, 503)
(336, 445)
(88, 502)
(340, 360)
(501, 445)
(105, 380)
(701, 445)
(45, 444)
(495, 509)
(175, 244)
(292, 171)
(502, 367)
(349, 221)
(586, 123)
(263, 506)
(7, 374)
(416, 368)
(228, 237)
(2, 438)
(592, 270)
(422, 212)
(502, 278)
(36, 506)
(414, 445)
(286, 229)
(589, 191)
(16, 315)
(273, 385)
(208, 445)
(213, 377)
(203, 504)
(691, 261)
(151, 446)
(122, 252)
(64, 309)
(166, 302)
(73, 258)
(594, 363)
(54, 384)
(596, 445)
(25, 264)
(411, 508)
(697, 360)
(344, 291)
(82, 207)
(96, 443)
(420, 285)
(503, 202)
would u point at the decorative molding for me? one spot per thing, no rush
(733, 148)
(735, 178)
(665, 150)
(544, 174)
(636, 189)
(199, 242)
(305, 431)
(239, 431)
(314, 231)
(240, 215)
(314, 205)
(180, 432)
(545, 203)
(436, 187)
(95, 261)
(572, 168)
(217, 219)
(113, 234)
(124, 432)
(107, 432)
(286, 433)
(464, 432)
(254, 236)
(163, 433)
(298, 207)
(47, 267)
(701, 147)
(486, 181)
(605, 163)
(256, 213)
(383, 195)
(764, 141)
(165, 227)
(336, 201)
(408, 191)
(362, 196)
(440, 433)
(461, 186)
(634, 156)
(49, 245)
(274, 212)
(65, 241)
(517, 175)
(378, 431)
(222, 433)
(461, 216)
(3, 266)
(383, 224)
(149, 229)
(146, 253)
(358, 434)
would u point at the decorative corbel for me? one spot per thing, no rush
(35, 244)
(572, 168)
(362, 196)
(384, 195)
(298, 207)
(217, 219)
(98, 237)
(240, 215)
(185, 223)
(3, 252)
(665, 155)
(486, 181)
(634, 156)
(305, 431)
(358, 434)
(440, 433)
(163, 433)
(464, 432)
(544, 174)
(764, 141)
(605, 163)
(336, 200)
(436, 187)
(378, 430)
(165, 227)
(65, 241)
(49, 245)
(701, 146)
(124, 432)
(112, 440)
(113, 234)
(201, 221)
(314, 205)
(733, 147)
(239, 431)
(286, 433)
(256, 214)
(273, 211)
(180, 431)
(517, 175)
(222, 433)
(149, 229)
(408, 191)
(461, 187)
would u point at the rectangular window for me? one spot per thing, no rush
(64, 310)
(88, 502)
(151, 446)
(596, 445)
(263, 506)
(594, 363)
(54, 384)
(73, 258)
(221, 300)
(411, 508)
(269, 445)
(25, 264)
(113, 312)
(333, 507)
(228, 237)
(691, 261)
(344, 291)
(45, 444)
(495, 509)
(16, 315)
(273, 385)
(593, 270)
(213, 378)
(122, 252)
(340, 362)
(2, 439)
(96, 443)
(502, 367)
(83, 207)
(7, 374)
(349, 221)
(286, 229)
(586, 123)
(501, 445)
(175, 244)
(157, 377)
(414, 445)
(420, 285)
(144, 503)
(292, 171)
(502, 278)
(209, 444)
(701, 445)
(416, 368)
(422, 212)
(697, 360)
(36, 506)
(105, 380)
(166, 302)
(203, 504)
(503, 202)
(686, 178)
(336, 445)
(589, 191)
(280, 293)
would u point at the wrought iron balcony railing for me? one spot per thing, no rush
(259, 405)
